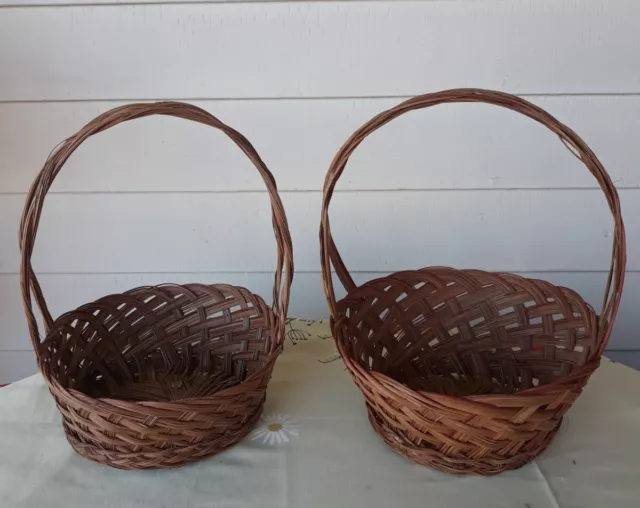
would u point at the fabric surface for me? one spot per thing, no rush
(314, 447)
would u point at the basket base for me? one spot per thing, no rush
(160, 458)
(456, 465)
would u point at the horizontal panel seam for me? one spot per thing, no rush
(298, 272)
(319, 191)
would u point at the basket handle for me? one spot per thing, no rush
(329, 253)
(37, 193)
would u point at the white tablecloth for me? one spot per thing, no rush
(324, 453)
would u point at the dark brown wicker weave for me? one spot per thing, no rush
(158, 376)
(463, 370)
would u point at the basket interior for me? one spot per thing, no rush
(162, 343)
(466, 332)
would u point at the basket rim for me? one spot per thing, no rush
(170, 405)
(187, 286)
(371, 282)
(405, 392)
(278, 339)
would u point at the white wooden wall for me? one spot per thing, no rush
(160, 200)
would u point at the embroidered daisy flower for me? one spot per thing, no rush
(276, 428)
(330, 358)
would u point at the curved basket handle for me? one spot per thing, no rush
(329, 253)
(37, 193)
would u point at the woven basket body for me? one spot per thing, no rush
(464, 370)
(158, 376)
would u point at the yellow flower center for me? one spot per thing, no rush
(274, 427)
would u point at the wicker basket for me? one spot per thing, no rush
(463, 370)
(158, 376)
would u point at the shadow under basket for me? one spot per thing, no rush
(467, 371)
(160, 376)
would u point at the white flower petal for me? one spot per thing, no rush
(285, 426)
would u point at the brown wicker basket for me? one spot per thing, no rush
(464, 370)
(158, 376)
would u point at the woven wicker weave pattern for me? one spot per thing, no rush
(464, 370)
(170, 346)
(158, 376)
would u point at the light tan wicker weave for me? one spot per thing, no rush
(158, 376)
(463, 370)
